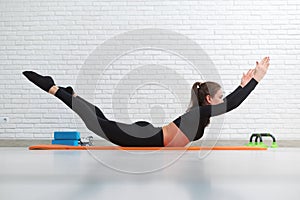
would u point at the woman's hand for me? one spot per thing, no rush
(261, 69)
(247, 77)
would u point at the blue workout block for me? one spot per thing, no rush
(66, 135)
(66, 142)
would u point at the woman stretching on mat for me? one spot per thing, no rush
(206, 102)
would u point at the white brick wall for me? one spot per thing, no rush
(57, 37)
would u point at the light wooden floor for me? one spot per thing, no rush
(89, 175)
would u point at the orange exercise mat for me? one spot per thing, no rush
(192, 148)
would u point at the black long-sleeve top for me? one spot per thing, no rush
(192, 123)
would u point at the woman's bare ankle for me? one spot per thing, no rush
(53, 89)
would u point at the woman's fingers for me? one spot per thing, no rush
(268, 59)
(261, 68)
(264, 60)
(267, 63)
(249, 72)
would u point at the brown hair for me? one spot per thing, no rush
(199, 92)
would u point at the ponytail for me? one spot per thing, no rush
(195, 95)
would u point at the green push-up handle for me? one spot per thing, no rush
(258, 136)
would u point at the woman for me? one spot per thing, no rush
(206, 101)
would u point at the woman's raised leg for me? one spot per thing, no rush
(136, 134)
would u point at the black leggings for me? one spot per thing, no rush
(138, 134)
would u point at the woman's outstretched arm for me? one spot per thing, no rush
(244, 81)
(258, 73)
(251, 79)
(193, 117)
